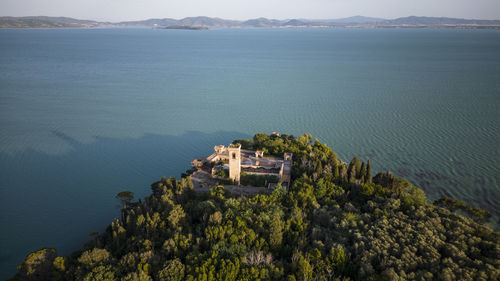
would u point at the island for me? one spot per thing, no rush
(279, 207)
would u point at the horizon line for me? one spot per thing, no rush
(222, 18)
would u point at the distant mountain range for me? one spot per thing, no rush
(351, 22)
(45, 22)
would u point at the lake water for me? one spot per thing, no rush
(86, 113)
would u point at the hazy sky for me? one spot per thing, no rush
(118, 10)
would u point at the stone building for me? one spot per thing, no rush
(237, 160)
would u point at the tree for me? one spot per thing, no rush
(215, 218)
(414, 196)
(368, 176)
(337, 257)
(38, 265)
(303, 193)
(392, 183)
(187, 184)
(303, 270)
(94, 257)
(176, 215)
(362, 172)
(173, 270)
(279, 192)
(453, 205)
(101, 273)
(275, 231)
(354, 169)
(218, 192)
(137, 276)
(222, 173)
(335, 172)
(125, 197)
(260, 139)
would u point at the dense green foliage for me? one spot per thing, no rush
(474, 212)
(335, 222)
(222, 177)
(222, 173)
(257, 180)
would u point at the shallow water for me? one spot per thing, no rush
(86, 113)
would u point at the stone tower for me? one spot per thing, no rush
(234, 162)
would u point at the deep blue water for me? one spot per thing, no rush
(86, 113)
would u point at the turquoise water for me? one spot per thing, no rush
(86, 113)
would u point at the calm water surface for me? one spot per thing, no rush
(86, 113)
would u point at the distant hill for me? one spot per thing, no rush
(295, 22)
(356, 21)
(351, 20)
(206, 21)
(190, 21)
(149, 22)
(46, 22)
(432, 21)
(261, 22)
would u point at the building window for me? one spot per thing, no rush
(234, 155)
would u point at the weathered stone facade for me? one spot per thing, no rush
(238, 160)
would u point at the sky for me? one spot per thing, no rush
(121, 10)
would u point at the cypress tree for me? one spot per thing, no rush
(275, 232)
(368, 176)
(336, 172)
(319, 168)
(343, 173)
(354, 168)
(362, 172)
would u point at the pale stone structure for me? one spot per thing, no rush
(238, 160)
(234, 152)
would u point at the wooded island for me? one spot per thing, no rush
(335, 222)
